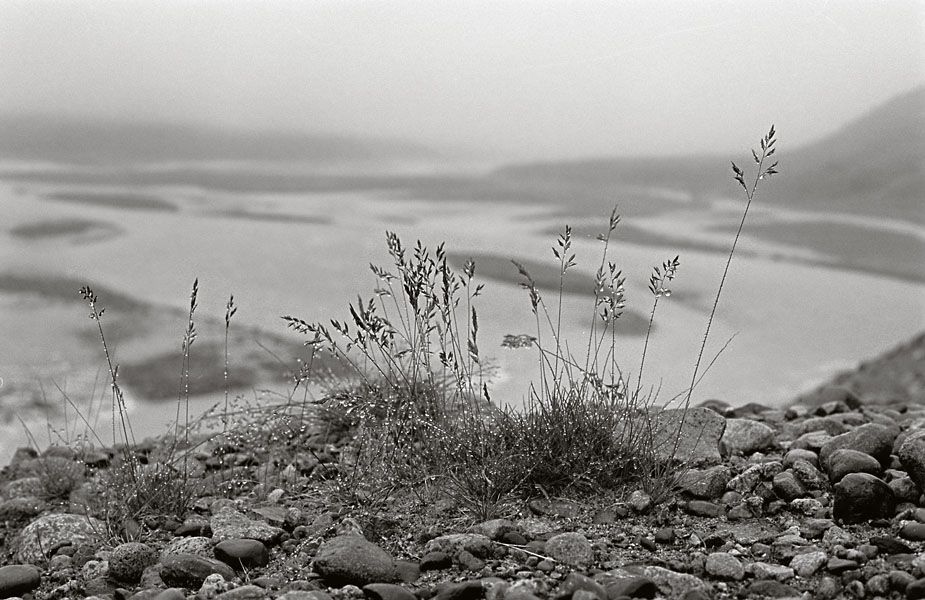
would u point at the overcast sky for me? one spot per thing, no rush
(507, 79)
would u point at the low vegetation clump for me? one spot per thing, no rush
(410, 417)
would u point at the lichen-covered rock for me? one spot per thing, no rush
(746, 481)
(128, 561)
(725, 566)
(55, 529)
(198, 545)
(570, 548)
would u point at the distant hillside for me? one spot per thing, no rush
(88, 141)
(873, 165)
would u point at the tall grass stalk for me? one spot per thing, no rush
(767, 150)
(118, 397)
(230, 310)
(129, 488)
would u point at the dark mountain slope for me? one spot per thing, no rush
(873, 165)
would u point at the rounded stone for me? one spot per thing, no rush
(861, 497)
(725, 565)
(435, 561)
(913, 531)
(351, 559)
(811, 441)
(844, 461)
(242, 554)
(128, 561)
(200, 546)
(743, 437)
(702, 508)
(787, 486)
(912, 457)
(878, 585)
(916, 589)
(808, 563)
(795, 454)
(190, 570)
(228, 523)
(706, 483)
(16, 580)
(871, 438)
(570, 548)
(640, 501)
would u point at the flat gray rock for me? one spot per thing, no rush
(230, 524)
(691, 438)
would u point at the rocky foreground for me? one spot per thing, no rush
(821, 501)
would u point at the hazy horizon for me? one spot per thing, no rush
(501, 80)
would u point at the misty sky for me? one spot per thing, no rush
(500, 79)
